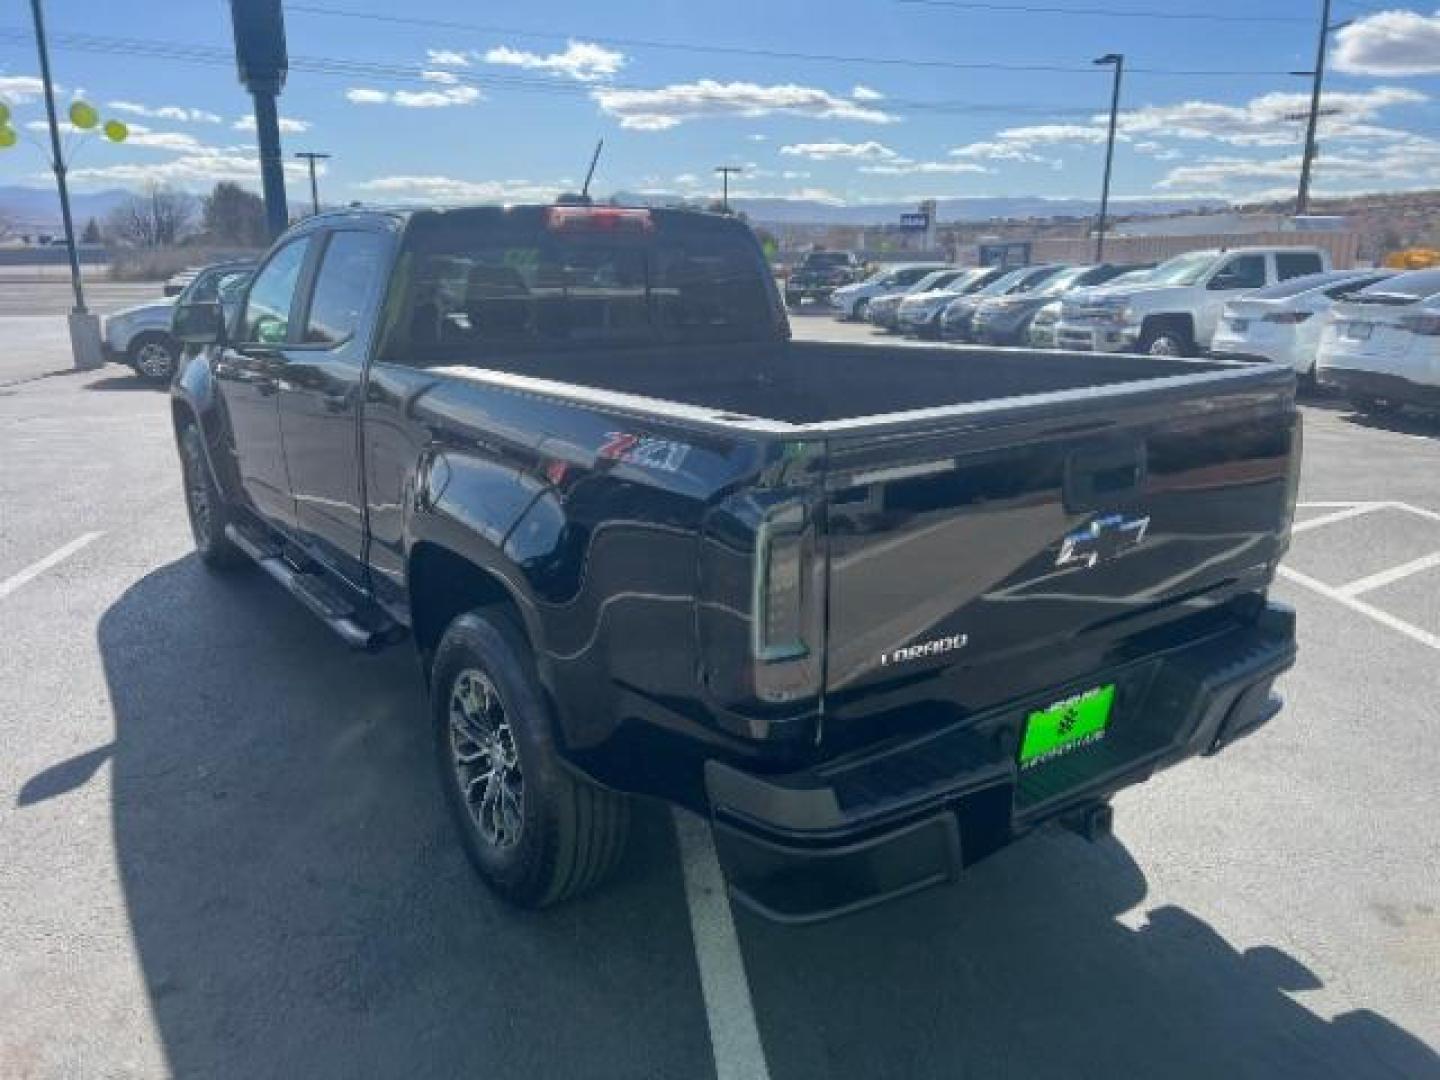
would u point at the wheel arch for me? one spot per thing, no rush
(1179, 321)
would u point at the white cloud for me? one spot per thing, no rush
(794, 174)
(449, 189)
(415, 99)
(1271, 119)
(913, 168)
(446, 58)
(758, 137)
(581, 60)
(21, 89)
(668, 106)
(1022, 143)
(1414, 160)
(288, 126)
(191, 171)
(1390, 43)
(179, 113)
(831, 151)
(438, 75)
(861, 92)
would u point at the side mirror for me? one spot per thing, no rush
(200, 323)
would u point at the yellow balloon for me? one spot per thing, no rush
(83, 115)
(7, 138)
(116, 131)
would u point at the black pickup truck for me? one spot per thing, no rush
(874, 611)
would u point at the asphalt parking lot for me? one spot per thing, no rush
(222, 852)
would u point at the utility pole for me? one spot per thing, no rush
(725, 171)
(1307, 159)
(1117, 60)
(311, 157)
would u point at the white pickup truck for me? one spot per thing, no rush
(1175, 310)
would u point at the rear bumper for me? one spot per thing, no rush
(816, 844)
(1380, 385)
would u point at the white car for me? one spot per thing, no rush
(1174, 312)
(1283, 323)
(1381, 348)
(850, 301)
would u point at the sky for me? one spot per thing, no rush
(845, 101)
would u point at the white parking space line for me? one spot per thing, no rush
(1424, 637)
(1351, 511)
(734, 1034)
(1388, 577)
(35, 569)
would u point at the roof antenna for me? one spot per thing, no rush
(583, 199)
(590, 172)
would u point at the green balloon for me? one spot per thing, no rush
(83, 115)
(4, 113)
(116, 131)
(8, 138)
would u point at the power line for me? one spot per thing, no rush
(1104, 12)
(736, 50)
(385, 72)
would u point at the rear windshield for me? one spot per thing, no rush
(472, 286)
(826, 258)
(1401, 289)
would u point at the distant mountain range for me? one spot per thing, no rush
(38, 208)
(964, 208)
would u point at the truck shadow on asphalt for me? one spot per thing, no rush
(299, 908)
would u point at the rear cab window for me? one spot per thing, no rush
(513, 280)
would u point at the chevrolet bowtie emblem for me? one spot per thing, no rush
(1104, 538)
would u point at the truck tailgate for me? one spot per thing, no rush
(986, 547)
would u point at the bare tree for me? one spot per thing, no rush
(161, 217)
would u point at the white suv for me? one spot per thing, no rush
(1175, 311)
(850, 301)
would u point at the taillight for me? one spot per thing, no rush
(1424, 323)
(1287, 318)
(779, 607)
(597, 219)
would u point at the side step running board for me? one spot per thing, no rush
(317, 594)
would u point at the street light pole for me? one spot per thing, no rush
(57, 158)
(725, 171)
(312, 156)
(1118, 61)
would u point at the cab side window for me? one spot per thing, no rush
(267, 309)
(344, 287)
(1241, 272)
(1293, 264)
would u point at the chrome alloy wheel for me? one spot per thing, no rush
(485, 759)
(154, 361)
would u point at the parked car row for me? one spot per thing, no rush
(142, 337)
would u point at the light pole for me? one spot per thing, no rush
(1118, 61)
(1307, 159)
(312, 156)
(725, 171)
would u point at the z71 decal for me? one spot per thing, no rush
(646, 451)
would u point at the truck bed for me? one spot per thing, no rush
(821, 382)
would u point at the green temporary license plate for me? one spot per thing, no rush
(1067, 725)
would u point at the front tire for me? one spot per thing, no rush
(154, 357)
(536, 833)
(208, 511)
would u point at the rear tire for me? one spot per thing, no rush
(1167, 341)
(862, 308)
(535, 832)
(208, 511)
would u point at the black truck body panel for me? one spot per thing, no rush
(964, 535)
